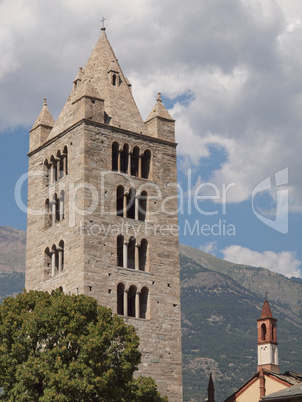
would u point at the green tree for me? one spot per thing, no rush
(67, 348)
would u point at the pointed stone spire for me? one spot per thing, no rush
(45, 118)
(108, 85)
(160, 124)
(41, 128)
(159, 110)
(211, 390)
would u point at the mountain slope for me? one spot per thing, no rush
(220, 304)
(12, 249)
(219, 331)
(284, 291)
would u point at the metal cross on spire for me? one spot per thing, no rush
(103, 22)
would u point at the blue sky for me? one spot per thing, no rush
(229, 73)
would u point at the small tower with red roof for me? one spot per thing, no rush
(267, 340)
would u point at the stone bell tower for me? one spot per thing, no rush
(102, 210)
(267, 340)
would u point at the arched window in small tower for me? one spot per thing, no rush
(48, 216)
(60, 252)
(135, 161)
(142, 206)
(120, 250)
(263, 332)
(62, 205)
(120, 298)
(47, 263)
(131, 253)
(143, 248)
(273, 332)
(146, 158)
(131, 301)
(143, 303)
(120, 201)
(125, 159)
(65, 161)
(131, 204)
(115, 156)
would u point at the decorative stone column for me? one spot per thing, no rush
(136, 200)
(140, 166)
(61, 210)
(119, 161)
(137, 304)
(125, 205)
(136, 262)
(60, 251)
(53, 263)
(125, 255)
(64, 156)
(125, 303)
(58, 168)
(53, 212)
(52, 173)
(129, 164)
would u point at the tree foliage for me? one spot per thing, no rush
(67, 348)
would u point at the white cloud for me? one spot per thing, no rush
(209, 248)
(284, 263)
(240, 59)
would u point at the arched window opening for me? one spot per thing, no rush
(273, 332)
(115, 157)
(54, 261)
(60, 289)
(142, 206)
(131, 253)
(62, 206)
(131, 301)
(143, 255)
(146, 164)
(131, 204)
(56, 204)
(59, 165)
(120, 249)
(263, 332)
(47, 260)
(65, 161)
(143, 303)
(46, 173)
(114, 80)
(48, 216)
(53, 170)
(120, 201)
(61, 256)
(125, 159)
(135, 161)
(120, 298)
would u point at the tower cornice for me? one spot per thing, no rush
(110, 128)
